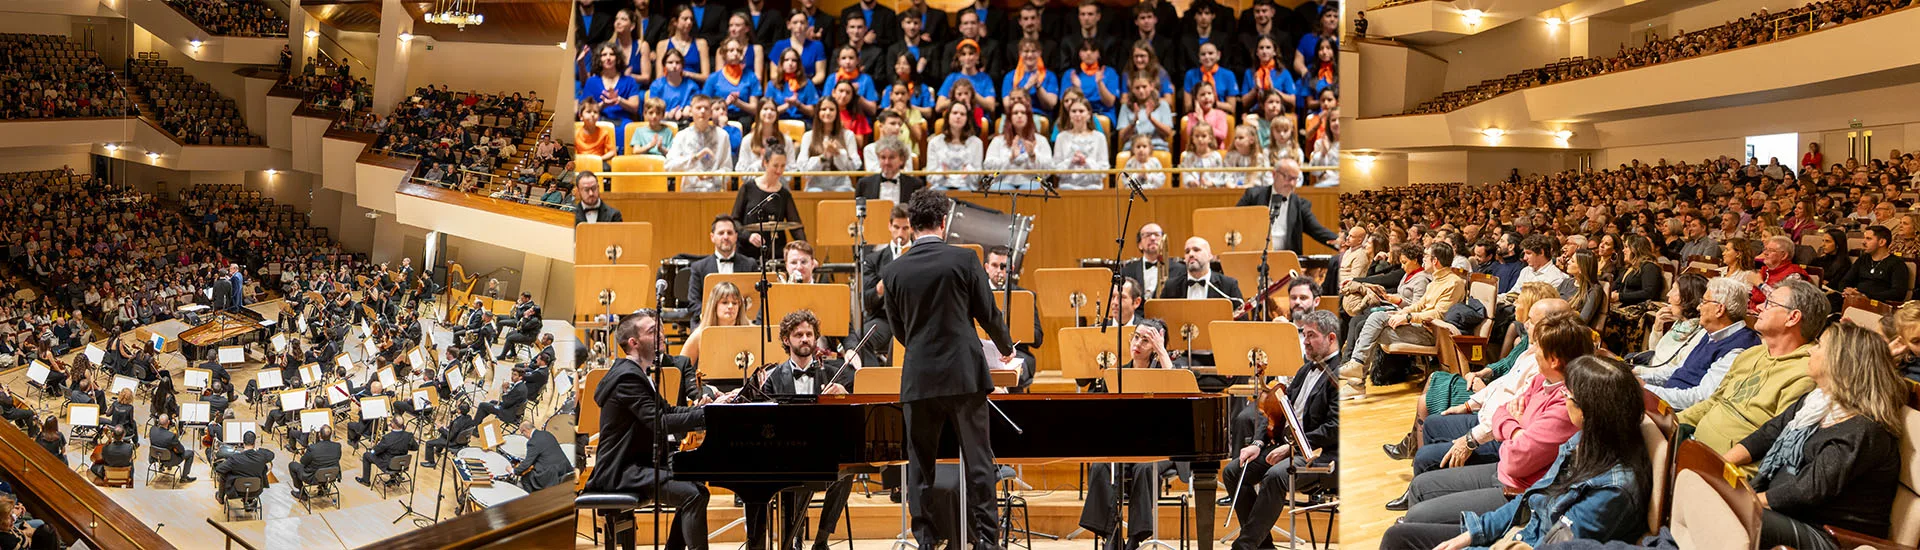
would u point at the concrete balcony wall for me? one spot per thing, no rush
(170, 26)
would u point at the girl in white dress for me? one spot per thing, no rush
(1018, 147)
(1143, 165)
(1244, 152)
(956, 147)
(1201, 154)
(1080, 147)
(829, 147)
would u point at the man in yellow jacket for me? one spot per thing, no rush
(1765, 379)
(1409, 324)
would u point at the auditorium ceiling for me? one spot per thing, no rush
(542, 22)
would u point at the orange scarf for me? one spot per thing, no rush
(850, 77)
(1206, 74)
(733, 72)
(1263, 77)
(1020, 73)
(794, 81)
(1090, 69)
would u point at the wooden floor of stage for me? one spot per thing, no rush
(179, 511)
(1369, 479)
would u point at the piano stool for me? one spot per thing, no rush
(618, 510)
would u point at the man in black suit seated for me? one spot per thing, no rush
(725, 234)
(525, 330)
(540, 369)
(999, 262)
(20, 416)
(586, 187)
(161, 436)
(949, 383)
(520, 307)
(513, 398)
(249, 461)
(1199, 282)
(397, 442)
(1292, 215)
(1153, 266)
(451, 435)
(545, 464)
(889, 184)
(879, 336)
(212, 365)
(632, 457)
(1267, 462)
(322, 453)
(118, 453)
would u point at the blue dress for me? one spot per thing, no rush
(690, 58)
(777, 92)
(625, 87)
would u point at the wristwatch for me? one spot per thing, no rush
(1472, 443)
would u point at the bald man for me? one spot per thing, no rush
(1200, 280)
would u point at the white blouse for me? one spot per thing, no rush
(1001, 155)
(812, 161)
(944, 156)
(1092, 147)
(1211, 159)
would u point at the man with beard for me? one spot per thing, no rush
(724, 232)
(1151, 267)
(804, 373)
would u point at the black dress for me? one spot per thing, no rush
(781, 208)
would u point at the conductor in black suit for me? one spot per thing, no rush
(1292, 215)
(591, 209)
(222, 292)
(724, 232)
(632, 454)
(161, 436)
(889, 184)
(880, 336)
(933, 297)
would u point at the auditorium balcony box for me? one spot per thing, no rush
(133, 138)
(531, 229)
(169, 24)
(1813, 64)
(1439, 22)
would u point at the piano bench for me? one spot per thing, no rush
(618, 509)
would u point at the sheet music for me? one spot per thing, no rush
(270, 379)
(232, 354)
(293, 400)
(337, 393)
(311, 372)
(279, 343)
(344, 362)
(196, 413)
(386, 377)
(372, 348)
(301, 323)
(414, 358)
(455, 379)
(993, 357)
(83, 415)
(38, 372)
(480, 366)
(122, 383)
(95, 355)
(311, 420)
(236, 430)
(373, 407)
(197, 378)
(421, 401)
(490, 434)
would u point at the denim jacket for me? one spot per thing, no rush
(1605, 507)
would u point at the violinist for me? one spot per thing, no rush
(84, 392)
(15, 411)
(120, 414)
(57, 372)
(1149, 349)
(1260, 474)
(116, 452)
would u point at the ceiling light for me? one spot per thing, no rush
(459, 13)
(406, 37)
(1555, 21)
(1473, 16)
(1493, 133)
(152, 155)
(271, 171)
(1563, 134)
(313, 33)
(111, 147)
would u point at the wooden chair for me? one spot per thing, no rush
(1711, 511)
(118, 476)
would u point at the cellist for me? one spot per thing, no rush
(1271, 460)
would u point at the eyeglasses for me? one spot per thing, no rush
(1770, 304)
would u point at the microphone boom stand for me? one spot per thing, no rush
(1119, 343)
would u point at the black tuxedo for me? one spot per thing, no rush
(162, 438)
(607, 214)
(708, 265)
(883, 21)
(545, 464)
(933, 297)
(508, 408)
(1136, 269)
(629, 406)
(319, 455)
(600, 27)
(248, 463)
(222, 293)
(711, 24)
(935, 23)
(451, 436)
(1320, 422)
(782, 379)
(395, 443)
(995, 23)
(1219, 286)
(771, 28)
(879, 335)
(1300, 219)
(1067, 56)
(869, 187)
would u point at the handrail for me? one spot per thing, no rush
(1049, 172)
(122, 529)
(231, 536)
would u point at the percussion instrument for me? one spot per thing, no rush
(770, 226)
(970, 223)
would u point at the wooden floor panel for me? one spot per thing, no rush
(1369, 479)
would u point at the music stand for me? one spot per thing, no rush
(1237, 344)
(293, 399)
(1154, 380)
(490, 434)
(877, 381)
(837, 222)
(670, 384)
(1019, 321)
(630, 287)
(978, 252)
(622, 243)
(1245, 267)
(1187, 320)
(1069, 292)
(1087, 352)
(729, 353)
(374, 407)
(196, 378)
(83, 415)
(1232, 229)
(829, 302)
(743, 280)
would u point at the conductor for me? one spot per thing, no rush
(933, 296)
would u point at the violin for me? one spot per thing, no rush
(98, 450)
(1269, 397)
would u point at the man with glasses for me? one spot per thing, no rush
(1291, 214)
(1765, 379)
(1776, 265)
(1151, 267)
(1723, 335)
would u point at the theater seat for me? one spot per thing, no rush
(1710, 514)
(639, 184)
(1165, 158)
(1906, 500)
(793, 129)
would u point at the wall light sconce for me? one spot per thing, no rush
(271, 172)
(111, 147)
(195, 43)
(562, 45)
(313, 33)
(406, 37)
(1473, 16)
(1364, 162)
(153, 155)
(1563, 135)
(1554, 21)
(1493, 133)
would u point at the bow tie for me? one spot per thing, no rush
(806, 372)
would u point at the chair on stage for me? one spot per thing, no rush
(325, 484)
(246, 490)
(117, 476)
(391, 475)
(157, 457)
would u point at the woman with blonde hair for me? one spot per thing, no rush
(1833, 457)
(725, 308)
(1902, 329)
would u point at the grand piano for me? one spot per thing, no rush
(755, 449)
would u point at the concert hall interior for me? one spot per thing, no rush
(1632, 269)
(901, 194)
(263, 249)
